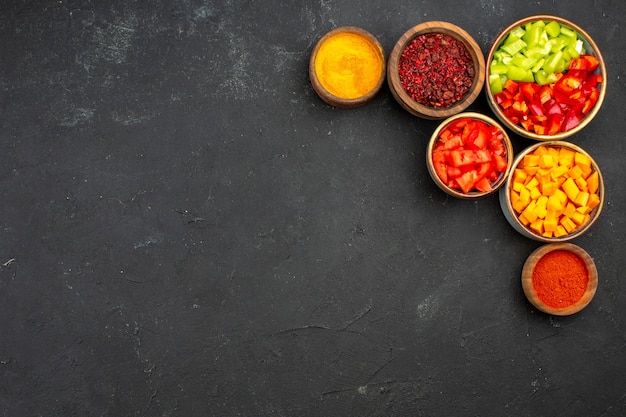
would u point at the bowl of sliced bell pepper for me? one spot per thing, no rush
(555, 192)
(469, 155)
(545, 78)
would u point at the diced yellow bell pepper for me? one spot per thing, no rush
(560, 194)
(582, 199)
(575, 172)
(570, 209)
(523, 219)
(568, 224)
(560, 231)
(546, 161)
(593, 182)
(529, 212)
(594, 201)
(582, 160)
(578, 218)
(519, 175)
(570, 188)
(531, 160)
(566, 156)
(524, 196)
(558, 170)
(549, 225)
(554, 203)
(517, 187)
(531, 170)
(535, 193)
(532, 183)
(537, 226)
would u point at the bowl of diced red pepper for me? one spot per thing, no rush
(469, 155)
(545, 78)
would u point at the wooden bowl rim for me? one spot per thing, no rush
(601, 69)
(595, 213)
(508, 144)
(457, 33)
(326, 95)
(530, 292)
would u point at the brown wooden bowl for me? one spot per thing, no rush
(472, 195)
(512, 216)
(421, 110)
(531, 293)
(318, 83)
(591, 48)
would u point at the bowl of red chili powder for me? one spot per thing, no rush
(560, 278)
(545, 78)
(436, 70)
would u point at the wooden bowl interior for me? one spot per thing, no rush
(332, 99)
(590, 47)
(413, 106)
(531, 294)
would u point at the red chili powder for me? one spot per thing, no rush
(436, 70)
(560, 278)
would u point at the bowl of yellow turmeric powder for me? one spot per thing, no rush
(555, 192)
(436, 70)
(347, 67)
(559, 278)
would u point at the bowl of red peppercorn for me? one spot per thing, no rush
(436, 70)
(559, 279)
(469, 155)
(555, 192)
(545, 78)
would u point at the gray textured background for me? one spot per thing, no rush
(186, 229)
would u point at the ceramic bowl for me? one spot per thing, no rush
(531, 292)
(454, 191)
(526, 225)
(326, 89)
(428, 111)
(590, 47)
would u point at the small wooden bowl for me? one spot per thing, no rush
(329, 97)
(421, 110)
(512, 217)
(590, 47)
(473, 194)
(531, 294)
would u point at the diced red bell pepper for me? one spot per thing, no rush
(483, 184)
(592, 61)
(554, 123)
(510, 85)
(570, 120)
(568, 83)
(467, 181)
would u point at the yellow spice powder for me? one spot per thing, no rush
(348, 65)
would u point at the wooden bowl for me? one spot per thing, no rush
(513, 217)
(324, 89)
(590, 47)
(473, 194)
(531, 293)
(426, 111)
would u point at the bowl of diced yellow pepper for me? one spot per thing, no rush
(555, 192)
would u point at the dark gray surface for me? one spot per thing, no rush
(186, 229)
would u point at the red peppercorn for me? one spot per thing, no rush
(436, 70)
